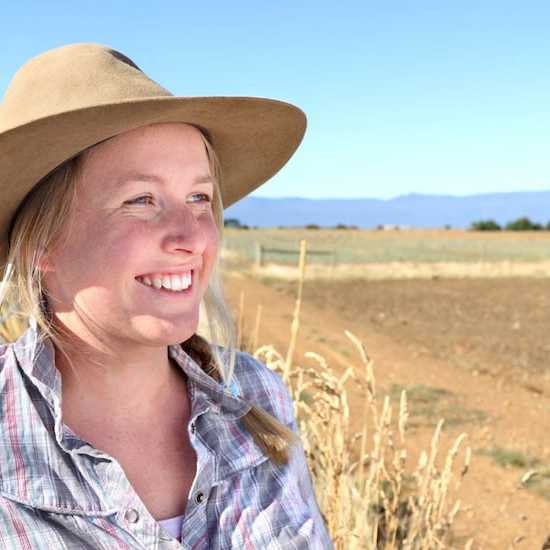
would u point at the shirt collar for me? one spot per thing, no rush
(36, 356)
(224, 397)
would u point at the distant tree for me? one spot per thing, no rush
(523, 224)
(548, 226)
(447, 226)
(232, 222)
(485, 225)
(312, 226)
(344, 226)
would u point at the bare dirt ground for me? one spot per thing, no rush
(472, 351)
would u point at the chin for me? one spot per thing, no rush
(165, 332)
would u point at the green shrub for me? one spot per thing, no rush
(523, 224)
(485, 225)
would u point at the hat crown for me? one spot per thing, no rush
(73, 77)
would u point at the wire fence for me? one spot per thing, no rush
(355, 247)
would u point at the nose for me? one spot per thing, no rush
(184, 232)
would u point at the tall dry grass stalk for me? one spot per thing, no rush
(369, 496)
(255, 337)
(296, 317)
(240, 321)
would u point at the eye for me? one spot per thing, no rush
(203, 197)
(140, 199)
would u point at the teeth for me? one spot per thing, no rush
(186, 280)
(176, 282)
(171, 282)
(167, 282)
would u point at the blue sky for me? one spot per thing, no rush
(444, 97)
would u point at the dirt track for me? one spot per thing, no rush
(479, 350)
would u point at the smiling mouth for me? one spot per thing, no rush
(180, 283)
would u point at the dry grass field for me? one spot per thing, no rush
(473, 351)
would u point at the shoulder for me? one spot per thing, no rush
(258, 384)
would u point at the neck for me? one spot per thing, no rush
(122, 383)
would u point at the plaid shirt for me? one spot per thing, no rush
(57, 492)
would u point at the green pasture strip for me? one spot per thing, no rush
(380, 247)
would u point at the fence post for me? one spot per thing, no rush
(259, 253)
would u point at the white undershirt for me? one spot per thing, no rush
(172, 526)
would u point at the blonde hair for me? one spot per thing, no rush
(38, 225)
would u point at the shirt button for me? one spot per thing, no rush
(200, 497)
(131, 515)
(192, 427)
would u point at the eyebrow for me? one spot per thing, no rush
(130, 177)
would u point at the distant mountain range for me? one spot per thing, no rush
(413, 210)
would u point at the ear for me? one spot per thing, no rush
(45, 260)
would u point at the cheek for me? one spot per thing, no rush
(118, 249)
(98, 250)
(212, 239)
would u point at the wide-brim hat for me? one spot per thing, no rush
(70, 98)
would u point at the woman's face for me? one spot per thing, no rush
(143, 215)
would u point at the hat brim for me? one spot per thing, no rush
(253, 139)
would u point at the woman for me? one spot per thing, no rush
(121, 427)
